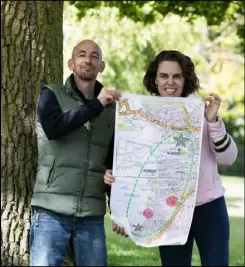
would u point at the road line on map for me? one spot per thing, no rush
(140, 112)
(191, 128)
(129, 202)
(171, 219)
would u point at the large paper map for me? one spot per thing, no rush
(156, 165)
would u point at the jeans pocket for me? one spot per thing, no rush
(44, 214)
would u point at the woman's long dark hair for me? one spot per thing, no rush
(191, 84)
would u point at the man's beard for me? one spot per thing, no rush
(87, 76)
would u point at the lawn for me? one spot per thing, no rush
(123, 252)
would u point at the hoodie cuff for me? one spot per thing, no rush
(217, 130)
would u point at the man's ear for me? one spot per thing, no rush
(70, 64)
(102, 66)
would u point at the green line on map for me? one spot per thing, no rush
(185, 188)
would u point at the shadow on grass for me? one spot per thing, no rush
(123, 252)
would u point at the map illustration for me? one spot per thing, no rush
(156, 165)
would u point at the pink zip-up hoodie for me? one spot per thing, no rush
(218, 147)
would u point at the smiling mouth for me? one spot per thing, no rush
(170, 90)
(86, 67)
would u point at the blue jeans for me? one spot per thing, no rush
(51, 233)
(211, 231)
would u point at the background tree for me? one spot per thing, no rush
(31, 49)
(130, 33)
(214, 12)
(128, 46)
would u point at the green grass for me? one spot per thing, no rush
(123, 252)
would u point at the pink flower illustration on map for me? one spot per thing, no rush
(148, 213)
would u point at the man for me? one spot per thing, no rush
(75, 125)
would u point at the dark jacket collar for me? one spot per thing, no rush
(70, 83)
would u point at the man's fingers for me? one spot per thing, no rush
(114, 227)
(119, 230)
(122, 232)
(108, 95)
(109, 181)
(109, 98)
(109, 176)
(118, 94)
(113, 92)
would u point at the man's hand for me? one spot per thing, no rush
(108, 95)
(119, 230)
(108, 177)
(212, 104)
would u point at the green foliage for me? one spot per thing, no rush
(131, 9)
(129, 46)
(215, 12)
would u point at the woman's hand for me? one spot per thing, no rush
(212, 104)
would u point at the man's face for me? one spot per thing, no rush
(86, 61)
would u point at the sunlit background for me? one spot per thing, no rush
(127, 49)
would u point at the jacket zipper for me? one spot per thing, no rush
(87, 163)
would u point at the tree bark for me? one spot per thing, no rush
(32, 55)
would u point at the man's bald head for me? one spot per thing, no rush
(78, 48)
(86, 61)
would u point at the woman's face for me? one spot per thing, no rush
(169, 79)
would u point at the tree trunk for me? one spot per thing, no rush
(32, 55)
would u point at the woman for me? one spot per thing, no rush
(172, 74)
